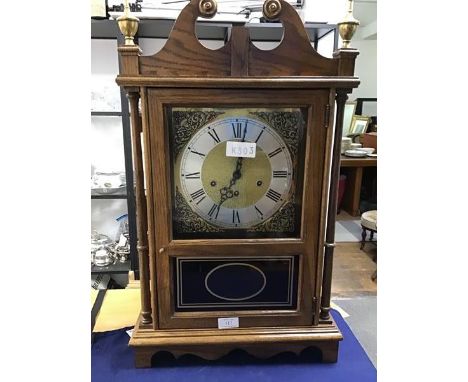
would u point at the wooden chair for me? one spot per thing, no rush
(368, 223)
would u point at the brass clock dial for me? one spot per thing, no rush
(235, 192)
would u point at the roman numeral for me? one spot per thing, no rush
(199, 194)
(214, 135)
(280, 174)
(273, 195)
(259, 212)
(196, 152)
(277, 151)
(237, 129)
(193, 175)
(235, 217)
(259, 135)
(214, 208)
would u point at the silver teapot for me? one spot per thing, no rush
(101, 253)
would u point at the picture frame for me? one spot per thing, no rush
(349, 110)
(359, 125)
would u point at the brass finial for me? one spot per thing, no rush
(271, 9)
(128, 25)
(348, 26)
(207, 8)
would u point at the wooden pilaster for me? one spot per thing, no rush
(142, 225)
(341, 98)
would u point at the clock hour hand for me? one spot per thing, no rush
(227, 192)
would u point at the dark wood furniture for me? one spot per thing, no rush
(354, 169)
(364, 236)
(369, 223)
(239, 75)
(359, 104)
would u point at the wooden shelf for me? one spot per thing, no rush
(106, 113)
(112, 269)
(117, 195)
(160, 28)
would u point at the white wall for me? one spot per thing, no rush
(330, 11)
(106, 135)
(366, 68)
(326, 45)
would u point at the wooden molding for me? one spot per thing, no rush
(347, 59)
(129, 59)
(184, 56)
(211, 344)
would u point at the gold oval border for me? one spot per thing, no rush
(235, 299)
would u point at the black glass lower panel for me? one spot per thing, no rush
(211, 284)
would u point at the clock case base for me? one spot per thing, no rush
(211, 344)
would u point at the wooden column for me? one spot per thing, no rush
(142, 222)
(341, 98)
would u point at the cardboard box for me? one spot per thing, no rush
(369, 140)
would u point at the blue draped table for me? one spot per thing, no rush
(112, 360)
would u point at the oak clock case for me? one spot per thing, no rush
(222, 235)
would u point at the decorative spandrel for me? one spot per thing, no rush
(223, 195)
(188, 122)
(288, 124)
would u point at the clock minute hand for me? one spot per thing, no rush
(237, 172)
(226, 191)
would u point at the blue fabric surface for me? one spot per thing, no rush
(112, 360)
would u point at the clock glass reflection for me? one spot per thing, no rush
(236, 172)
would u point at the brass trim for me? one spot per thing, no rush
(128, 25)
(348, 26)
(207, 8)
(272, 9)
(235, 299)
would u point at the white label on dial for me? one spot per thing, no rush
(228, 323)
(241, 149)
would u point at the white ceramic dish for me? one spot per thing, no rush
(355, 153)
(372, 155)
(345, 144)
(368, 150)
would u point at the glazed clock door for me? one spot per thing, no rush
(236, 171)
(243, 233)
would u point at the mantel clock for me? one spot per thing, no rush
(235, 188)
